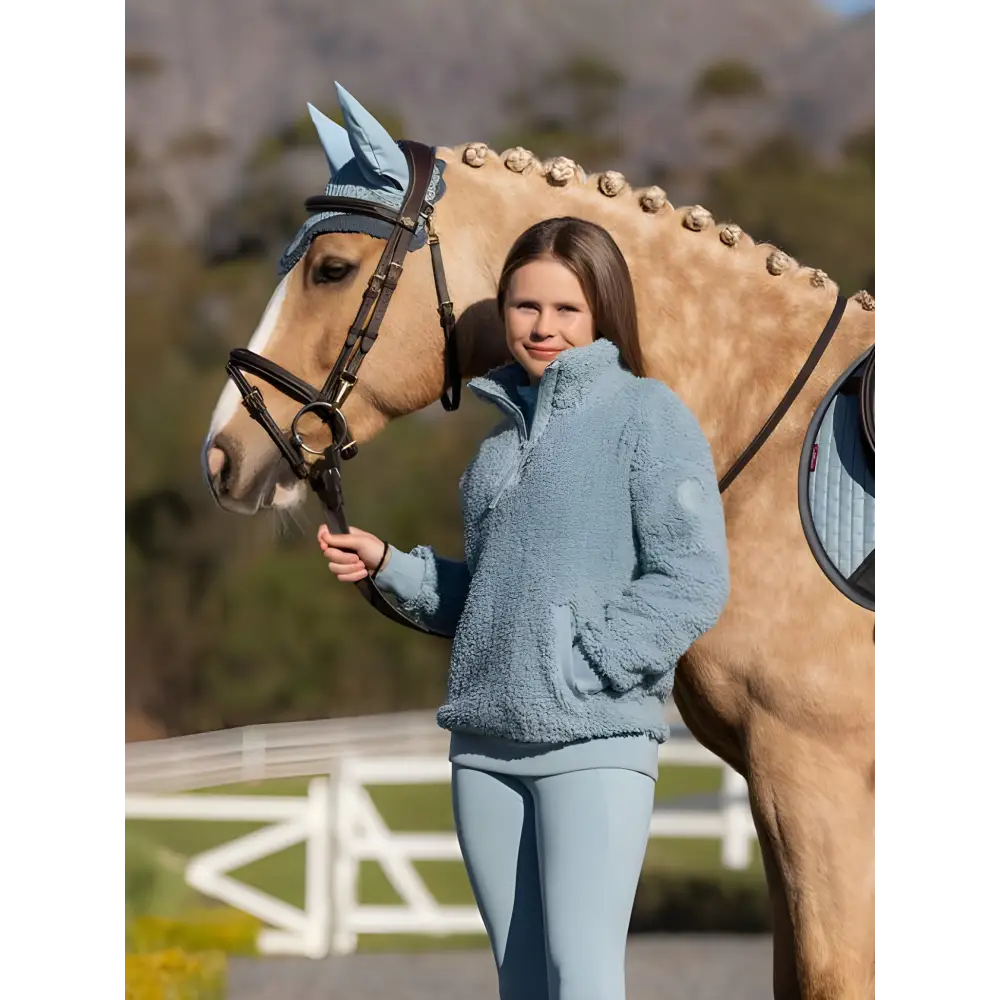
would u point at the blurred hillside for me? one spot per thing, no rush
(762, 111)
(207, 80)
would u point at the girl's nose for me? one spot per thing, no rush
(544, 324)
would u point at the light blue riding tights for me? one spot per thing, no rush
(554, 863)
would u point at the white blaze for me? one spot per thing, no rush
(229, 401)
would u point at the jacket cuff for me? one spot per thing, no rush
(402, 573)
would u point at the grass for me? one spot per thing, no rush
(157, 850)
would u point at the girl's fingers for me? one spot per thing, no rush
(342, 559)
(341, 553)
(349, 576)
(343, 541)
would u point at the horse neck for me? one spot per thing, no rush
(729, 337)
(725, 322)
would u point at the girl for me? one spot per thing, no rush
(595, 556)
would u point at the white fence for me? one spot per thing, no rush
(341, 826)
(287, 750)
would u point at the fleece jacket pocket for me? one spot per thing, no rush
(579, 676)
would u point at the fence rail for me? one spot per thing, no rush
(286, 750)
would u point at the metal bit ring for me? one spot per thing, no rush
(330, 414)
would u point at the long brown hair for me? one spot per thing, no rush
(588, 250)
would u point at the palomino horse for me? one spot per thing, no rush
(782, 688)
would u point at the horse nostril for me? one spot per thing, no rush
(216, 462)
(218, 466)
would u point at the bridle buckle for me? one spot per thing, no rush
(254, 401)
(345, 383)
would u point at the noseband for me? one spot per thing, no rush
(327, 403)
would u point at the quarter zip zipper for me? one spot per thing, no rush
(527, 439)
(503, 401)
(511, 473)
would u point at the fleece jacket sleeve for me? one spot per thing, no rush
(429, 588)
(680, 534)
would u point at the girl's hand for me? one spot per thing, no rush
(352, 557)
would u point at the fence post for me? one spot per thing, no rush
(735, 832)
(343, 866)
(319, 844)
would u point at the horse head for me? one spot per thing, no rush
(325, 271)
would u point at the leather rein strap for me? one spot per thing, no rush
(786, 401)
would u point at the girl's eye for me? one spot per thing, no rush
(571, 309)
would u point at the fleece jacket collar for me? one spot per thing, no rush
(569, 380)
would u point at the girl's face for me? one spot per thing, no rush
(545, 312)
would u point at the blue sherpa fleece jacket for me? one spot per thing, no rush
(595, 555)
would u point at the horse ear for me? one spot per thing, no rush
(378, 156)
(334, 139)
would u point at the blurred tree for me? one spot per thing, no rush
(821, 215)
(133, 158)
(142, 65)
(258, 222)
(197, 143)
(726, 99)
(144, 196)
(726, 80)
(718, 138)
(860, 148)
(569, 110)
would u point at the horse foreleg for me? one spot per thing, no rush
(815, 814)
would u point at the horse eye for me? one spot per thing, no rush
(329, 272)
